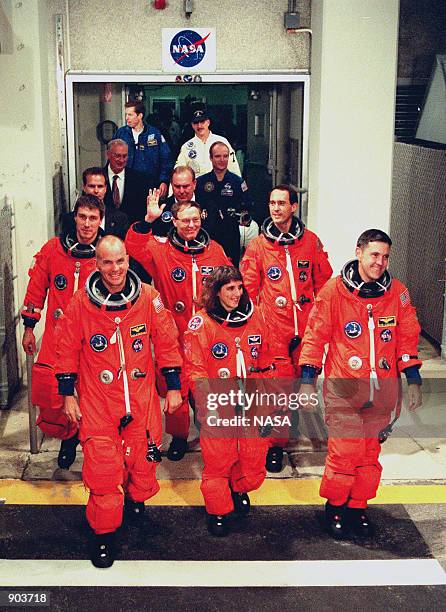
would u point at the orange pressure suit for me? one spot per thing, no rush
(108, 344)
(371, 340)
(178, 269)
(60, 268)
(284, 272)
(219, 351)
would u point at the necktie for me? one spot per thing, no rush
(115, 192)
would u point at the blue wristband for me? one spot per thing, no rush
(308, 374)
(413, 375)
(172, 376)
(66, 383)
(142, 227)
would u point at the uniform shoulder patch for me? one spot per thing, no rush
(405, 298)
(158, 304)
(195, 323)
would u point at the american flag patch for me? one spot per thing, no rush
(158, 304)
(404, 297)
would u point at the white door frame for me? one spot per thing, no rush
(73, 77)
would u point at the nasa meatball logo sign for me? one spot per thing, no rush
(187, 50)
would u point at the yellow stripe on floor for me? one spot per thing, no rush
(274, 492)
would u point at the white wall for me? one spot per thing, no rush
(354, 57)
(25, 164)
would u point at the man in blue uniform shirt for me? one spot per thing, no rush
(148, 150)
(225, 197)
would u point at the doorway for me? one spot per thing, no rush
(264, 118)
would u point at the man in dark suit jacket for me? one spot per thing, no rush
(183, 186)
(115, 221)
(126, 188)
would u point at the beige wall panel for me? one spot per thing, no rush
(54, 7)
(352, 102)
(25, 168)
(127, 35)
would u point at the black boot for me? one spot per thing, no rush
(336, 521)
(360, 523)
(103, 550)
(274, 459)
(177, 449)
(218, 525)
(242, 505)
(134, 512)
(67, 452)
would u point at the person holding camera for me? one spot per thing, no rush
(225, 198)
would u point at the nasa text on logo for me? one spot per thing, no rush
(137, 345)
(386, 335)
(188, 48)
(353, 329)
(274, 273)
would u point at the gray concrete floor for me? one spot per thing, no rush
(414, 454)
(416, 451)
